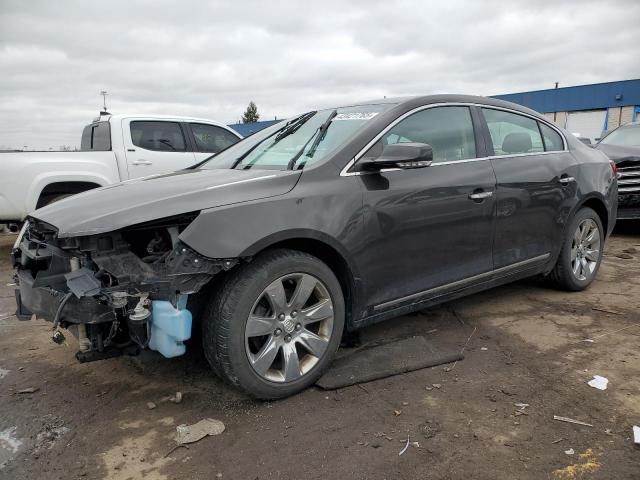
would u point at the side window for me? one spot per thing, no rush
(512, 133)
(552, 139)
(159, 136)
(449, 131)
(96, 136)
(212, 139)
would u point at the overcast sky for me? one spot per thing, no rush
(209, 59)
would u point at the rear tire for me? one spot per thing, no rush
(54, 198)
(581, 253)
(275, 324)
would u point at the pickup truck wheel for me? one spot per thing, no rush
(581, 253)
(54, 199)
(275, 325)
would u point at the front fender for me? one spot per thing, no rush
(242, 230)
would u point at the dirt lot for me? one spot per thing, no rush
(525, 345)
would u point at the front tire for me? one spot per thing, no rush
(274, 326)
(581, 254)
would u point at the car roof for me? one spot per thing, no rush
(447, 98)
(146, 116)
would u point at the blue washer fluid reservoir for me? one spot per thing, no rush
(170, 327)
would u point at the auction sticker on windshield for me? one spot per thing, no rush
(355, 116)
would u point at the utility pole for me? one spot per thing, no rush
(557, 83)
(104, 100)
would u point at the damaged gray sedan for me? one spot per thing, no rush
(323, 224)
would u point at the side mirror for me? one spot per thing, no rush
(399, 155)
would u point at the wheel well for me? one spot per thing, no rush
(599, 207)
(63, 188)
(334, 261)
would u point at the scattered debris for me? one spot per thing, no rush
(604, 310)
(447, 369)
(599, 382)
(588, 340)
(484, 349)
(608, 431)
(436, 385)
(521, 406)
(405, 447)
(51, 431)
(177, 398)
(429, 429)
(611, 333)
(174, 448)
(571, 451)
(29, 390)
(587, 464)
(151, 405)
(636, 434)
(558, 440)
(197, 431)
(397, 412)
(571, 420)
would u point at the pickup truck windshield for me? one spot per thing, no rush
(294, 144)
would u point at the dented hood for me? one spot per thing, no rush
(619, 154)
(136, 201)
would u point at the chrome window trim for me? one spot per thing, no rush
(346, 173)
(464, 281)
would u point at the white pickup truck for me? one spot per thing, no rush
(113, 148)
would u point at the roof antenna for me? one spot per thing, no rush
(104, 103)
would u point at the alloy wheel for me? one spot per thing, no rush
(585, 249)
(289, 327)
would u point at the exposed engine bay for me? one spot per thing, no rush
(116, 292)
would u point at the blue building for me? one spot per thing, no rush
(246, 129)
(585, 110)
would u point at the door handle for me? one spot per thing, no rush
(142, 162)
(566, 180)
(480, 195)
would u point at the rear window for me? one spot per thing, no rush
(96, 137)
(512, 134)
(157, 135)
(552, 139)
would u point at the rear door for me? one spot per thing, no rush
(210, 139)
(155, 146)
(536, 188)
(428, 228)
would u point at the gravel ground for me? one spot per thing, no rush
(526, 345)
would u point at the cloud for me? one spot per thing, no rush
(210, 59)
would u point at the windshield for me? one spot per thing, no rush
(624, 136)
(296, 143)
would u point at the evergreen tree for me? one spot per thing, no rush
(251, 115)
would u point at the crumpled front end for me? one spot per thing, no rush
(116, 292)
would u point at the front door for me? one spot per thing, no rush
(432, 226)
(155, 146)
(536, 187)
